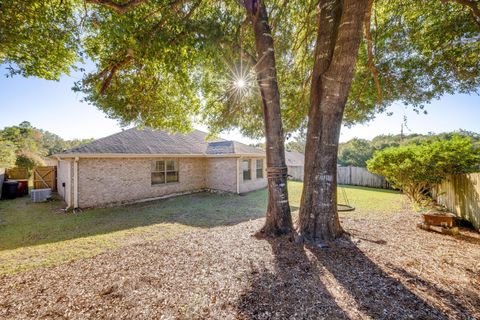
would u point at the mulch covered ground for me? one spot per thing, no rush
(385, 269)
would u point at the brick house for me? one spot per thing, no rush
(135, 165)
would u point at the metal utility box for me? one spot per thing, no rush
(41, 195)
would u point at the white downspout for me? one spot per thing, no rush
(68, 198)
(238, 175)
(75, 183)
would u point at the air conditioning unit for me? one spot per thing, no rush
(41, 195)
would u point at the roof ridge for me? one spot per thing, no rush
(97, 140)
(146, 140)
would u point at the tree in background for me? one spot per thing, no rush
(29, 160)
(415, 169)
(355, 153)
(298, 142)
(7, 154)
(23, 137)
(28, 145)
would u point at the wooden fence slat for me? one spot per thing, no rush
(359, 176)
(460, 194)
(296, 172)
(17, 173)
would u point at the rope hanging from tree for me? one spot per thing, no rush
(343, 207)
(276, 172)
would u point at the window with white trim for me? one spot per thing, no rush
(259, 168)
(247, 170)
(164, 171)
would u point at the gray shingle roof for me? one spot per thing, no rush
(293, 158)
(148, 141)
(241, 148)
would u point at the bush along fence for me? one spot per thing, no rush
(359, 176)
(460, 194)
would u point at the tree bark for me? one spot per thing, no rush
(338, 39)
(278, 217)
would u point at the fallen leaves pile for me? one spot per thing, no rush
(381, 269)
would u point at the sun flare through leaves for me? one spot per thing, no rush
(239, 82)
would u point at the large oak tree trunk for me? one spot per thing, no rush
(338, 39)
(278, 217)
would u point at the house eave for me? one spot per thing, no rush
(153, 155)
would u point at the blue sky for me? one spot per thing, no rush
(53, 106)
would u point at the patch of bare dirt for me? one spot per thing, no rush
(383, 269)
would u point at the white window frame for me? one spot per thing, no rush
(154, 170)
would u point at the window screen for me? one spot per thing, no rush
(247, 171)
(259, 168)
(164, 171)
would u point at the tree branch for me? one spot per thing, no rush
(118, 7)
(370, 62)
(473, 5)
(112, 70)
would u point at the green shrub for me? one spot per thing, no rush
(29, 160)
(415, 169)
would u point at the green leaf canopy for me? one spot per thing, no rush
(168, 63)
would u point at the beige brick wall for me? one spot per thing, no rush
(114, 181)
(221, 174)
(255, 183)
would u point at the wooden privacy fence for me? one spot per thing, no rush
(17, 173)
(460, 194)
(45, 177)
(359, 176)
(295, 172)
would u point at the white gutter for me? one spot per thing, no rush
(75, 183)
(131, 155)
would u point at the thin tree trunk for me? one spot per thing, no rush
(338, 39)
(278, 217)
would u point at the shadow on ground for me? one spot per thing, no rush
(450, 300)
(340, 282)
(23, 223)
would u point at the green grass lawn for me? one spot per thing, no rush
(38, 234)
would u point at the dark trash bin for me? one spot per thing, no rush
(9, 190)
(22, 189)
